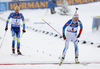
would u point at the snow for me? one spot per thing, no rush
(38, 47)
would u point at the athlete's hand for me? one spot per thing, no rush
(64, 37)
(78, 35)
(24, 30)
(6, 28)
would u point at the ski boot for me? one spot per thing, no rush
(19, 53)
(62, 59)
(76, 60)
(13, 50)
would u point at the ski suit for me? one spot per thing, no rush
(71, 34)
(15, 27)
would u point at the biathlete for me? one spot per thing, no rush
(15, 28)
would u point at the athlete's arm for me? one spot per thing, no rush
(81, 28)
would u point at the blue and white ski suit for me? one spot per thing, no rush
(71, 34)
(15, 27)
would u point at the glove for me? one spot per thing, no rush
(64, 37)
(6, 28)
(23, 30)
(78, 35)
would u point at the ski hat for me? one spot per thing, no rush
(17, 8)
(76, 15)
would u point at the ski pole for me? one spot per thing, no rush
(3, 39)
(51, 27)
(21, 36)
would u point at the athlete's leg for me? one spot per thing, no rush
(18, 41)
(66, 44)
(76, 48)
(13, 41)
(75, 41)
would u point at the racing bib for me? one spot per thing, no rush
(15, 22)
(72, 29)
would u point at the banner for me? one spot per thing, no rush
(3, 6)
(29, 4)
(75, 2)
(35, 4)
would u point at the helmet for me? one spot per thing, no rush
(76, 15)
(17, 8)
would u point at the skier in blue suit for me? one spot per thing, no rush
(71, 34)
(15, 28)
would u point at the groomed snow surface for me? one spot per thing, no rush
(37, 47)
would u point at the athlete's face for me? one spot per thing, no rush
(16, 11)
(76, 19)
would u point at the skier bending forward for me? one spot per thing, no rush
(71, 34)
(15, 28)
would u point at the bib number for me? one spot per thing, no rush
(16, 21)
(72, 29)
